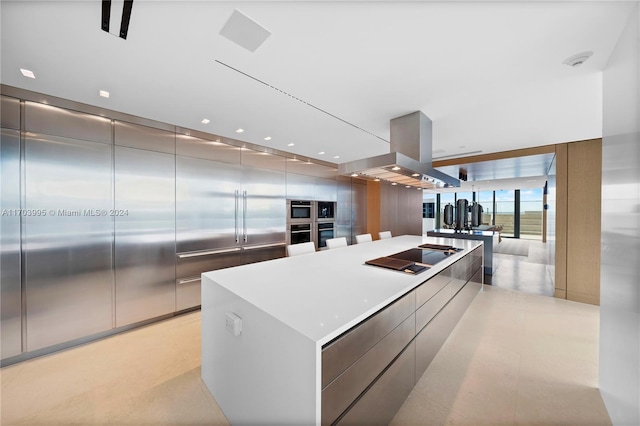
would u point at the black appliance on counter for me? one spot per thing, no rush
(415, 260)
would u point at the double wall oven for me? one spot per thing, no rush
(310, 221)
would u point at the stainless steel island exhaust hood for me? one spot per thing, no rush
(409, 162)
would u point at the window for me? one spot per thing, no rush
(531, 206)
(485, 198)
(429, 210)
(505, 211)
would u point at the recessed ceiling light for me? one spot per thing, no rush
(239, 130)
(104, 93)
(291, 144)
(354, 174)
(205, 121)
(336, 156)
(577, 59)
(376, 180)
(408, 186)
(419, 189)
(27, 73)
(395, 168)
(321, 153)
(394, 183)
(268, 138)
(415, 174)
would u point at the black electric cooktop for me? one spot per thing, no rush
(426, 256)
(415, 260)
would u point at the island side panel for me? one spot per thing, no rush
(270, 374)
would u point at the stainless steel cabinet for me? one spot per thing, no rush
(10, 285)
(300, 187)
(207, 200)
(144, 234)
(67, 252)
(9, 113)
(264, 209)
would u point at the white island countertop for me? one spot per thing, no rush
(324, 294)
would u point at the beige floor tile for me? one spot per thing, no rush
(419, 410)
(551, 403)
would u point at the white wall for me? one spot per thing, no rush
(620, 277)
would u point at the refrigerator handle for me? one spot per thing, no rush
(237, 194)
(244, 216)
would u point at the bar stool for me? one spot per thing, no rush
(336, 242)
(384, 235)
(363, 238)
(302, 248)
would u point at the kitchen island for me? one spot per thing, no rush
(323, 338)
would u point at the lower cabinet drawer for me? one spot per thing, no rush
(429, 341)
(478, 277)
(341, 393)
(429, 310)
(187, 293)
(381, 402)
(427, 290)
(342, 353)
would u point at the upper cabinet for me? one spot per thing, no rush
(10, 112)
(54, 121)
(310, 181)
(143, 137)
(190, 146)
(262, 160)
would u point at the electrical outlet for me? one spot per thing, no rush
(233, 323)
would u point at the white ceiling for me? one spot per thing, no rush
(489, 74)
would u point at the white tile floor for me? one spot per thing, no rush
(514, 358)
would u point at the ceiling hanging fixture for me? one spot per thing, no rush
(409, 162)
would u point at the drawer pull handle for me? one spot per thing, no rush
(207, 253)
(265, 246)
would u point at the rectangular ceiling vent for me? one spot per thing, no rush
(244, 31)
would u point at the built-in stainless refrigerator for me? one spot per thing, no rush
(230, 210)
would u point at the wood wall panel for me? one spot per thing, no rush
(583, 225)
(561, 219)
(388, 209)
(523, 152)
(393, 208)
(373, 208)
